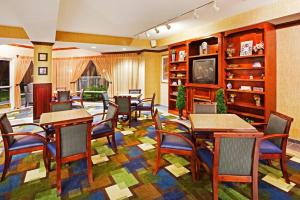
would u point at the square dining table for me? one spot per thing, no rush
(133, 96)
(65, 117)
(219, 123)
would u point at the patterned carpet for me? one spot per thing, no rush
(128, 174)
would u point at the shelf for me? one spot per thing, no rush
(247, 114)
(178, 70)
(173, 100)
(202, 56)
(244, 68)
(178, 62)
(244, 57)
(174, 85)
(244, 91)
(248, 80)
(177, 78)
(246, 105)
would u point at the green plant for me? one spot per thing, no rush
(221, 107)
(180, 101)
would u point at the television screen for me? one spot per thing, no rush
(204, 71)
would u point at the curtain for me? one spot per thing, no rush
(22, 65)
(61, 73)
(78, 67)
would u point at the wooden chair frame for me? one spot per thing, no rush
(9, 153)
(284, 137)
(135, 91)
(147, 100)
(216, 177)
(81, 98)
(125, 113)
(191, 154)
(113, 122)
(59, 93)
(59, 160)
(59, 102)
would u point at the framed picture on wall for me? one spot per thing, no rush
(43, 57)
(43, 70)
(164, 69)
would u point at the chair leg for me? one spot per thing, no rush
(81, 101)
(6, 165)
(114, 142)
(45, 158)
(89, 169)
(48, 161)
(215, 189)
(58, 176)
(193, 168)
(283, 164)
(129, 116)
(198, 167)
(255, 188)
(157, 164)
(108, 140)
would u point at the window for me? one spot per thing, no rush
(4, 82)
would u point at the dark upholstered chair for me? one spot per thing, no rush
(20, 142)
(235, 159)
(273, 145)
(72, 142)
(63, 96)
(28, 94)
(171, 142)
(105, 100)
(146, 105)
(78, 97)
(125, 108)
(60, 106)
(106, 128)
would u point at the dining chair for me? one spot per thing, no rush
(106, 127)
(135, 91)
(146, 104)
(135, 101)
(20, 142)
(63, 96)
(72, 142)
(28, 94)
(60, 106)
(234, 159)
(105, 100)
(274, 142)
(125, 108)
(78, 98)
(174, 142)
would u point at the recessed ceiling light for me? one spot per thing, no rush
(147, 34)
(124, 49)
(168, 26)
(215, 6)
(156, 30)
(93, 47)
(196, 15)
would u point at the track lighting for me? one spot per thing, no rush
(215, 6)
(156, 30)
(196, 15)
(147, 34)
(168, 26)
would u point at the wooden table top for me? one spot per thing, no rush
(135, 96)
(63, 117)
(219, 123)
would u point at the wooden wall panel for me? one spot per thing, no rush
(42, 93)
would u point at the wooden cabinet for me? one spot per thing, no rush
(249, 76)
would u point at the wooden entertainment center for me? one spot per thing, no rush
(248, 77)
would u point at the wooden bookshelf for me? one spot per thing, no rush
(264, 77)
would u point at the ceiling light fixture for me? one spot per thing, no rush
(196, 15)
(93, 47)
(124, 49)
(167, 23)
(215, 6)
(156, 30)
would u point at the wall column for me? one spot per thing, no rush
(42, 84)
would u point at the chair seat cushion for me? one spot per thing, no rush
(173, 142)
(268, 147)
(101, 129)
(206, 156)
(135, 102)
(144, 106)
(52, 148)
(76, 98)
(25, 141)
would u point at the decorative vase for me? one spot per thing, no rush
(231, 99)
(173, 57)
(260, 52)
(229, 86)
(257, 102)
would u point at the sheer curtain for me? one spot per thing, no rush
(22, 65)
(78, 67)
(61, 73)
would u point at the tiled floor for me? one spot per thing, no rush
(128, 173)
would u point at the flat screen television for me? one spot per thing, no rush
(204, 71)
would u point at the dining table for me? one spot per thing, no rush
(133, 96)
(65, 117)
(219, 123)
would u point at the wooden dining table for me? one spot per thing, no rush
(65, 117)
(133, 96)
(219, 123)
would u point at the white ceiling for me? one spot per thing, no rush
(41, 18)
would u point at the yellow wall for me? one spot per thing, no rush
(152, 74)
(288, 72)
(42, 49)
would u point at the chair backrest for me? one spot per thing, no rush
(124, 103)
(72, 139)
(63, 96)
(61, 88)
(81, 93)
(280, 124)
(135, 91)
(5, 127)
(153, 100)
(105, 99)
(60, 106)
(205, 108)
(236, 154)
(157, 122)
(29, 88)
(112, 112)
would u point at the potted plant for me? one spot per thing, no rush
(221, 106)
(259, 48)
(173, 55)
(180, 101)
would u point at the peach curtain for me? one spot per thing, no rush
(78, 67)
(61, 73)
(22, 65)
